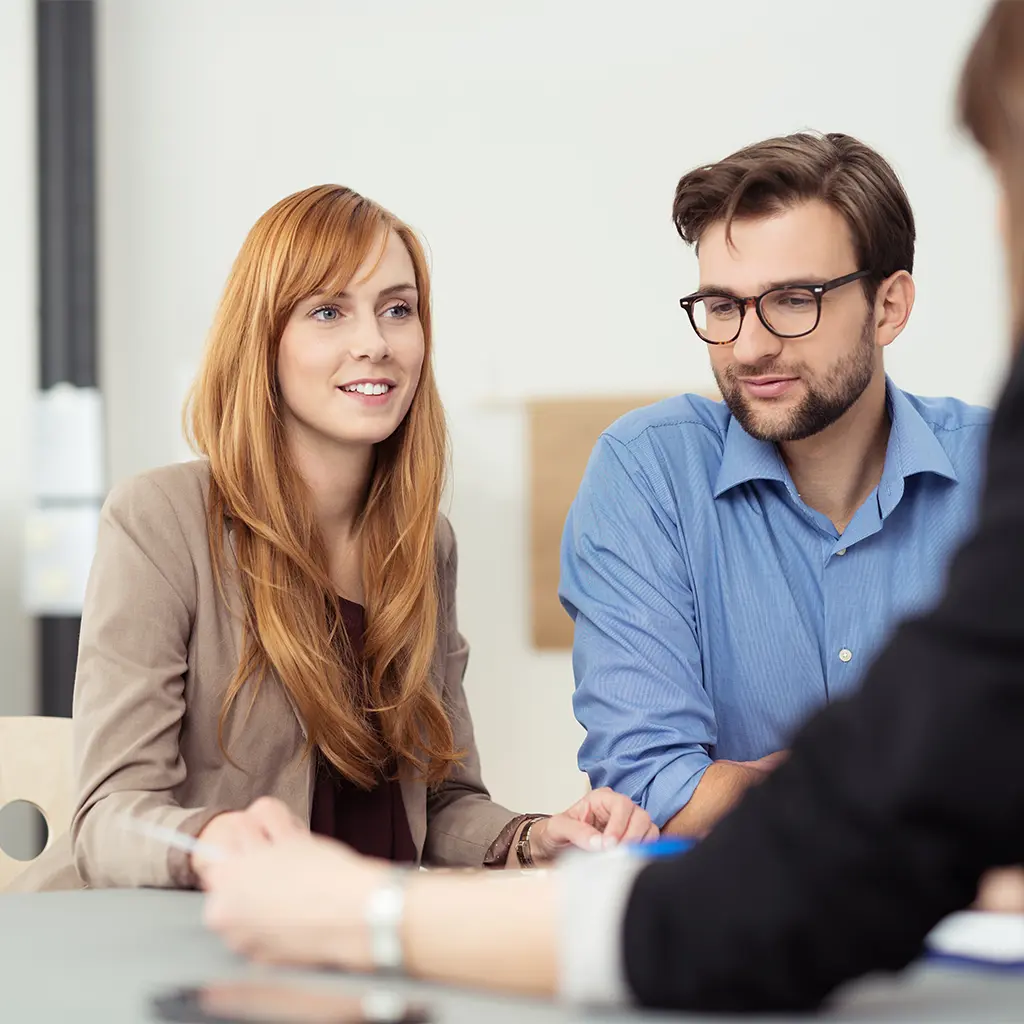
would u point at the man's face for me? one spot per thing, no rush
(787, 389)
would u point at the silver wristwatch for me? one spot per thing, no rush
(384, 912)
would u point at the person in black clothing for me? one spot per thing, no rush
(887, 813)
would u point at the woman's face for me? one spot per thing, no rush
(349, 364)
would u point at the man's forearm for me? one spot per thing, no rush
(720, 788)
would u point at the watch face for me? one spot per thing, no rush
(384, 917)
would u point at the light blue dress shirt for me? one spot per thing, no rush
(714, 610)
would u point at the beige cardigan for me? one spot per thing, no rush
(158, 648)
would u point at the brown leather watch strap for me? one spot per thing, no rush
(523, 854)
(498, 851)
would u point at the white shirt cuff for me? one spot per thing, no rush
(592, 890)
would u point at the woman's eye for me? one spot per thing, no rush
(399, 311)
(326, 314)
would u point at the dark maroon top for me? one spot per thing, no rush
(373, 822)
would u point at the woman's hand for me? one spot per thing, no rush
(301, 900)
(263, 822)
(601, 819)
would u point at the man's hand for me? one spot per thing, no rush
(768, 763)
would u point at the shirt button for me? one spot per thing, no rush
(841, 551)
(845, 654)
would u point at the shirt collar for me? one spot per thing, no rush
(745, 458)
(913, 448)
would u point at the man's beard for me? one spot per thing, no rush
(824, 402)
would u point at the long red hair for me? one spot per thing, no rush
(360, 716)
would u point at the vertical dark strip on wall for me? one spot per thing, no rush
(65, 49)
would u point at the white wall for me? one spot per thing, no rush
(18, 340)
(537, 146)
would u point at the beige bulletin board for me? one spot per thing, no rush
(562, 434)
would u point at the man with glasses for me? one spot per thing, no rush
(731, 566)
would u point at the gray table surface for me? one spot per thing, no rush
(90, 957)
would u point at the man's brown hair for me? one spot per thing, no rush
(771, 176)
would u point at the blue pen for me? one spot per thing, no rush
(665, 846)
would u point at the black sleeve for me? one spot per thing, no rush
(890, 807)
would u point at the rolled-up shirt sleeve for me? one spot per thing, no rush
(636, 658)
